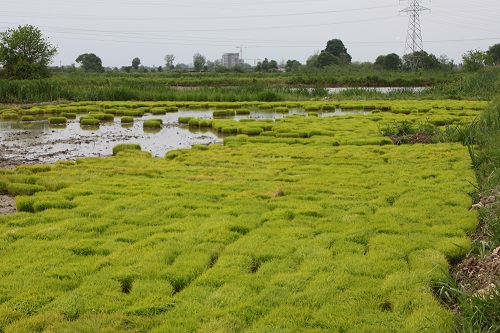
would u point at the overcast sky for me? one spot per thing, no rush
(118, 31)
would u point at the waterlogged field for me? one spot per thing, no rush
(304, 224)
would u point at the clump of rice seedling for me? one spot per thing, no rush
(89, 121)
(200, 147)
(204, 123)
(133, 113)
(157, 111)
(103, 116)
(172, 108)
(57, 120)
(328, 107)
(311, 108)
(27, 118)
(127, 120)
(23, 189)
(312, 114)
(251, 130)
(68, 115)
(194, 122)
(223, 113)
(9, 116)
(241, 112)
(184, 120)
(125, 146)
(265, 106)
(281, 109)
(153, 123)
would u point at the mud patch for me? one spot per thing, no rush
(7, 205)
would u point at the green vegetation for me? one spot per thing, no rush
(231, 87)
(320, 225)
(126, 146)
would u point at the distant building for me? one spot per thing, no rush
(231, 59)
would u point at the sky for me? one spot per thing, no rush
(117, 31)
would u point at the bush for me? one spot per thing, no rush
(126, 146)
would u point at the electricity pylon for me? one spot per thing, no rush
(414, 41)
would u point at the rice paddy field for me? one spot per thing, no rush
(299, 224)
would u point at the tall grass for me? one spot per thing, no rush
(230, 87)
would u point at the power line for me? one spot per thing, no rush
(414, 41)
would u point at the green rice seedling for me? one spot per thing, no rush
(313, 114)
(9, 116)
(309, 108)
(247, 120)
(194, 122)
(125, 146)
(328, 107)
(172, 108)
(251, 130)
(27, 118)
(158, 111)
(57, 120)
(68, 115)
(133, 113)
(230, 130)
(281, 109)
(103, 116)
(241, 112)
(15, 189)
(127, 120)
(205, 123)
(89, 121)
(153, 123)
(184, 120)
(264, 106)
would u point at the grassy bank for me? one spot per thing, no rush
(230, 87)
(282, 234)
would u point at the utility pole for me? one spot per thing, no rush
(414, 41)
(241, 47)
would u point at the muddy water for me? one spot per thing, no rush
(37, 142)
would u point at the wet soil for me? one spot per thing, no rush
(7, 205)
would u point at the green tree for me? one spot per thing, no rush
(292, 66)
(273, 66)
(135, 63)
(338, 49)
(199, 62)
(424, 61)
(90, 62)
(389, 62)
(474, 60)
(494, 54)
(25, 54)
(325, 58)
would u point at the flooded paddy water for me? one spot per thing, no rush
(38, 142)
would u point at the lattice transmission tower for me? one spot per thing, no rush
(414, 43)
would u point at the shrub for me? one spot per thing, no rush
(57, 120)
(125, 146)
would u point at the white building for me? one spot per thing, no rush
(231, 59)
